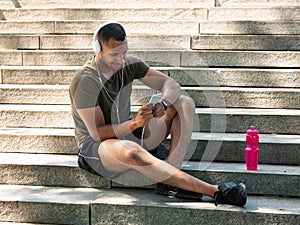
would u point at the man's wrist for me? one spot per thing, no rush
(164, 103)
(133, 124)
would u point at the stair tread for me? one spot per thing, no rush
(187, 88)
(146, 3)
(62, 67)
(71, 161)
(14, 223)
(59, 51)
(240, 168)
(101, 7)
(38, 131)
(245, 111)
(48, 194)
(264, 138)
(139, 197)
(231, 111)
(38, 159)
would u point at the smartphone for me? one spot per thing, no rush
(155, 98)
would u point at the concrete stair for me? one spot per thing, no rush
(47, 170)
(205, 97)
(145, 3)
(61, 141)
(240, 67)
(189, 58)
(208, 77)
(219, 120)
(226, 42)
(118, 206)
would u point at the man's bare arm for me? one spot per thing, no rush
(156, 80)
(98, 130)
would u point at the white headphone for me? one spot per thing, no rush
(96, 43)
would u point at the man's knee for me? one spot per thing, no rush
(132, 153)
(185, 103)
(127, 151)
(137, 155)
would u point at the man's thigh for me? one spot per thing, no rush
(114, 154)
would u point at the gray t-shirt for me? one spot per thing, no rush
(86, 91)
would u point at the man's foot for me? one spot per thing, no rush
(232, 194)
(167, 190)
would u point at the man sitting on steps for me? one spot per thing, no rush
(110, 143)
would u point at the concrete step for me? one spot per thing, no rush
(104, 13)
(63, 42)
(250, 27)
(282, 98)
(37, 74)
(285, 78)
(80, 206)
(176, 27)
(213, 120)
(58, 116)
(269, 121)
(19, 42)
(28, 204)
(197, 42)
(246, 42)
(267, 180)
(146, 3)
(38, 140)
(245, 97)
(181, 12)
(254, 12)
(228, 147)
(256, 59)
(242, 59)
(14, 223)
(34, 94)
(235, 77)
(46, 170)
(251, 3)
(274, 149)
(106, 3)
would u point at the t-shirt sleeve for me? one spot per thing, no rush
(138, 67)
(85, 93)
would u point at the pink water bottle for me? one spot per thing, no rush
(252, 150)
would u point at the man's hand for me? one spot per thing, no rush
(144, 115)
(158, 110)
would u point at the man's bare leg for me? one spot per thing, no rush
(121, 155)
(179, 122)
(181, 130)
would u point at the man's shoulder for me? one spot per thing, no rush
(87, 71)
(136, 67)
(130, 59)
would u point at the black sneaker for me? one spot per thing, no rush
(232, 194)
(167, 190)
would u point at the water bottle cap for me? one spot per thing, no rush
(252, 131)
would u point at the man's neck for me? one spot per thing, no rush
(105, 70)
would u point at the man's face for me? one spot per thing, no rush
(114, 53)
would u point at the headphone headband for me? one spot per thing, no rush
(96, 44)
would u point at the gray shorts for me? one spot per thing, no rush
(88, 158)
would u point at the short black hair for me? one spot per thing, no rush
(111, 30)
